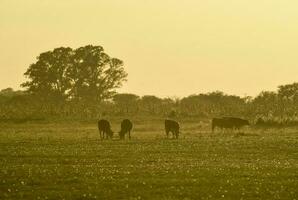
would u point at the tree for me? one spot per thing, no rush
(85, 74)
(265, 104)
(126, 102)
(289, 91)
(95, 75)
(151, 103)
(288, 100)
(48, 76)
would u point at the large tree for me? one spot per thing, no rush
(86, 73)
(48, 76)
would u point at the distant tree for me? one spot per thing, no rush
(86, 73)
(213, 104)
(95, 75)
(9, 92)
(265, 104)
(288, 100)
(289, 91)
(150, 103)
(126, 102)
(168, 105)
(6, 92)
(48, 77)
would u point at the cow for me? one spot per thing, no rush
(104, 129)
(229, 123)
(126, 127)
(172, 126)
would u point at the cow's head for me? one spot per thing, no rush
(246, 122)
(110, 133)
(121, 134)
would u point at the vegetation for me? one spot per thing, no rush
(50, 147)
(81, 83)
(279, 107)
(68, 161)
(87, 74)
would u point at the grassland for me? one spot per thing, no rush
(68, 161)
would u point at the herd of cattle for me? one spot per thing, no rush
(171, 126)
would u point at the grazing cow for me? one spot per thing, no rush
(104, 128)
(172, 126)
(126, 126)
(229, 123)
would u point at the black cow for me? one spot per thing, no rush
(104, 128)
(126, 127)
(229, 123)
(172, 126)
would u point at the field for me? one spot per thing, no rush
(66, 160)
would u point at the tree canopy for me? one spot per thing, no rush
(86, 73)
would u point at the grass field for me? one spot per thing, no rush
(68, 161)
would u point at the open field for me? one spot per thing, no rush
(68, 161)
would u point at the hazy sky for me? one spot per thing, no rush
(170, 47)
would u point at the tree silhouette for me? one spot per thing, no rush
(48, 76)
(86, 73)
(126, 102)
(151, 103)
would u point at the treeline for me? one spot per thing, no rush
(272, 107)
(81, 84)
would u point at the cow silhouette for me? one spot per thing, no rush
(104, 129)
(126, 127)
(173, 127)
(229, 123)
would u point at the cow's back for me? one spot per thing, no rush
(236, 122)
(171, 125)
(126, 125)
(229, 122)
(104, 125)
(220, 122)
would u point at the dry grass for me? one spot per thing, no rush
(68, 161)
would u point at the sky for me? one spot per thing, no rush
(169, 47)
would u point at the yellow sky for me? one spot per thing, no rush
(170, 47)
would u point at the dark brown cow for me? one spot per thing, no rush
(172, 126)
(126, 127)
(229, 123)
(104, 129)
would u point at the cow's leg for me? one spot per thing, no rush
(100, 133)
(129, 135)
(167, 133)
(234, 129)
(213, 127)
(238, 130)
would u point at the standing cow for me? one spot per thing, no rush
(126, 127)
(229, 123)
(172, 126)
(104, 129)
